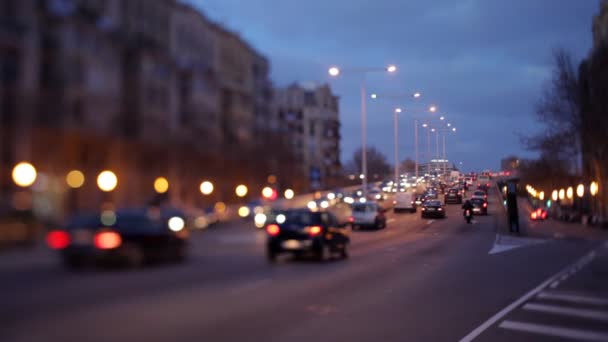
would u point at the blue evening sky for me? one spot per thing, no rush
(482, 62)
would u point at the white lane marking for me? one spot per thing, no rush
(560, 310)
(550, 330)
(573, 298)
(502, 313)
(391, 220)
(504, 243)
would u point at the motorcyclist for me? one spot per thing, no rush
(467, 206)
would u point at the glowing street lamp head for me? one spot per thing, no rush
(432, 130)
(570, 193)
(24, 174)
(398, 110)
(206, 188)
(580, 190)
(391, 68)
(432, 109)
(442, 118)
(75, 179)
(417, 95)
(425, 125)
(374, 96)
(161, 185)
(289, 194)
(449, 124)
(107, 181)
(454, 129)
(241, 190)
(594, 188)
(334, 71)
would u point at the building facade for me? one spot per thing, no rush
(309, 115)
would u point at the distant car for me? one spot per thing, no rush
(453, 196)
(539, 214)
(432, 194)
(480, 206)
(483, 187)
(480, 194)
(419, 200)
(130, 237)
(483, 180)
(432, 208)
(301, 232)
(404, 201)
(368, 215)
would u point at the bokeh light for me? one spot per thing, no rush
(161, 185)
(206, 188)
(75, 179)
(107, 181)
(24, 174)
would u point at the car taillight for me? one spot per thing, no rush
(394, 202)
(533, 215)
(273, 229)
(544, 215)
(58, 239)
(351, 219)
(485, 205)
(107, 240)
(314, 230)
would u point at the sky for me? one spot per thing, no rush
(483, 63)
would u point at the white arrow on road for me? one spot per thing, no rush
(504, 243)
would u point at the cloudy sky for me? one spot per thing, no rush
(482, 62)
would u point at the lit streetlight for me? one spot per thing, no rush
(161, 185)
(555, 195)
(580, 190)
(267, 192)
(433, 109)
(541, 196)
(24, 174)
(75, 179)
(594, 189)
(241, 190)
(562, 194)
(570, 193)
(289, 194)
(335, 71)
(206, 188)
(107, 181)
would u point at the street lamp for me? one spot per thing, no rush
(335, 71)
(75, 179)
(107, 181)
(580, 190)
(161, 185)
(241, 190)
(593, 189)
(433, 109)
(289, 194)
(24, 174)
(570, 193)
(562, 194)
(555, 196)
(206, 188)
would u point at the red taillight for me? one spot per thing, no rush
(544, 215)
(273, 229)
(107, 240)
(58, 239)
(351, 219)
(314, 230)
(488, 185)
(533, 215)
(485, 205)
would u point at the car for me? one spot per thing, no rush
(468, 181)
(483, 187)
(453, 196)
(129, 236)
(368, 215)
(483, 180)
(480, 194)
(432, 208)
(404, 201)
(480, 206)
(539, 214)
(300, 232)
(431, 194)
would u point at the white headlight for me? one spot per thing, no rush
(281, 219)
(331, 196)
(259, 219)
(312, 205)
(176, 224)
(349, 200)
(324, 204)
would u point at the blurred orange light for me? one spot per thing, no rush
(107, 240)
(273, 230)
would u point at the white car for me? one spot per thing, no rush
(404, 201)
(480, 194)
(368, 215)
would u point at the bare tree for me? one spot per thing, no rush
(377, 163)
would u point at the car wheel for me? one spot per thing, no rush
(271, 255)
(322, 253)
(344, 251)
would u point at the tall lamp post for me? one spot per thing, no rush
(335, 72)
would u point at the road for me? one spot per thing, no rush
(417, 280)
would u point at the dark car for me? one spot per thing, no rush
(300, 232)
(483, 187)
(419, 200)
(431, 194)
(124, 236)
(453, 196)
(432, 208)
(480, 206)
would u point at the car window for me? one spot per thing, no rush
(300, 217)
(364, 208)
(433, 203)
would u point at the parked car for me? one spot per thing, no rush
(130, 236)
(300, 232)
(368, 215)
(432, 208)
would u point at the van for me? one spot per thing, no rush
(404, 201)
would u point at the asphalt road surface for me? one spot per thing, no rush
(417, 280)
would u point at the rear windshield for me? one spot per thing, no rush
(433, 203)
(364, 208)
(453, 191)
(480, 193)
(301, 217)
(477, 200)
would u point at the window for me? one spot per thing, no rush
(312, 129)
(309, 99)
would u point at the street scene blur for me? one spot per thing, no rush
(223, 170)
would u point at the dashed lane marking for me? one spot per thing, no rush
(573, 297)
(550, 330)
(572, 312)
